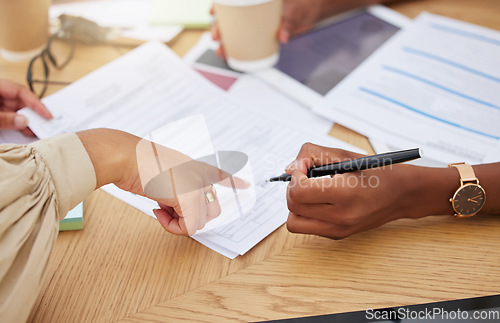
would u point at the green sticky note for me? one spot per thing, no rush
(73, 220)
(187, 13)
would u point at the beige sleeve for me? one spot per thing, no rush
(40, 183)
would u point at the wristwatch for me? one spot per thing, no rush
(470, 196)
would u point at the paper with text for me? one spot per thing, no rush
(149, 88)
(260, 95)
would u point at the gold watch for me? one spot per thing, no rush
(470, 196)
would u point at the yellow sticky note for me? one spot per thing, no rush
(187, 13)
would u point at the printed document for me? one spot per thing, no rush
(149, 92)
(434, 85)
(262, 96)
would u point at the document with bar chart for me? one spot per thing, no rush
(434, 85)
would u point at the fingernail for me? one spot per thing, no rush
(20, 121)
(291, 167)
(285, 36)
(48, 114)
(154, 212)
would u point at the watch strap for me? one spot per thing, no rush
(466, 172)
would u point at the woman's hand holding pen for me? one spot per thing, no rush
(345, 204)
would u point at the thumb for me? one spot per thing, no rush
(12, 120)
(284, 33)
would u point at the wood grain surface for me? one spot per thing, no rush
(124, 267)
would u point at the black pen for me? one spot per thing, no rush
(367, 162)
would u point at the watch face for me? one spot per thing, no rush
(469, 199)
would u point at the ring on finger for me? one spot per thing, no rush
(211, 195)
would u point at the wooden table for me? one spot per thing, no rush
(124, 267)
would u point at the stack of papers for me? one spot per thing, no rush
(434, 85)
(262, 96)
(147, 90)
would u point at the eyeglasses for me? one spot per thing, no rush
(72, 29)
(38, 69)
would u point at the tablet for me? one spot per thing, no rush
(312, 64)
(479, 309)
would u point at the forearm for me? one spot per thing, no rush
(489, 179)
(112, 153)
(432, 189)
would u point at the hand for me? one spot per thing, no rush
(181, 186)
(300, 16)
(345, 204)
(14, 97)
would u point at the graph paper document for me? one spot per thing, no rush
(151, 93)
(434, 85)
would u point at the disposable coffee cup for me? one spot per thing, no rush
(24, 28)
(249, 30)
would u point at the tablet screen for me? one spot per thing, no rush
(320, 59)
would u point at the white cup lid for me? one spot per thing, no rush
(12, 56)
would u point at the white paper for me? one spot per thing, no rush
(149, 88)
(262, 96)
(434, 85)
